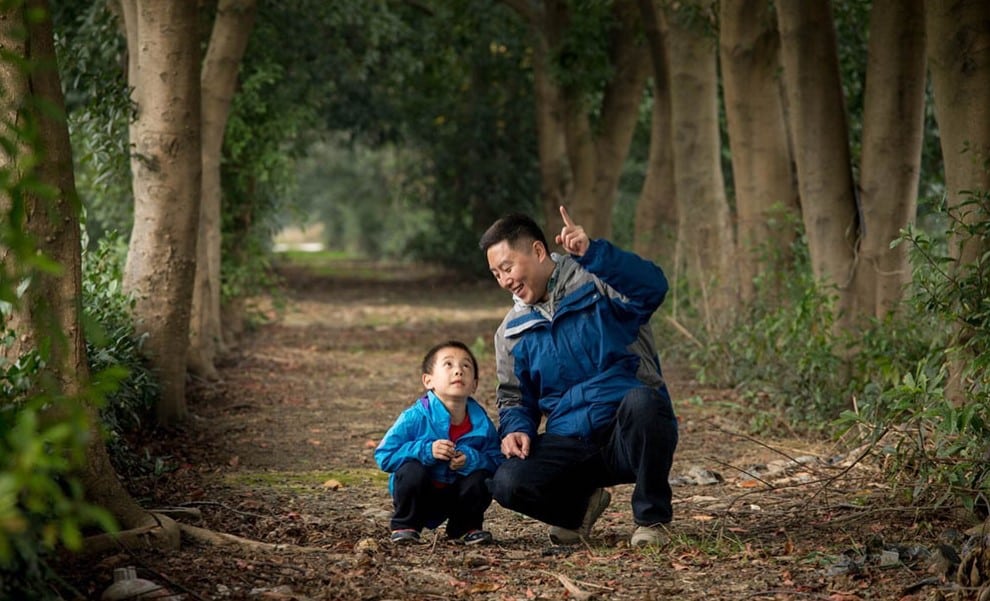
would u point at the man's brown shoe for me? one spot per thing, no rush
(599, 500)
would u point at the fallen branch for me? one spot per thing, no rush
(573, 590)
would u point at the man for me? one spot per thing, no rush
(577, 349)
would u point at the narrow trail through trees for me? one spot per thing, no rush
(280, 452)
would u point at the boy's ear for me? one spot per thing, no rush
(427, 381)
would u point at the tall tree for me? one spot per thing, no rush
(166, 166)
(49, 313)
(597, 133)
(816, 111)
(705, 231)
(763, 178)
(228, 41)
(959, 62)
(893, 129)
(655, 231)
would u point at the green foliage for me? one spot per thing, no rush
(91, 52)
(581, 59)
(781, 351)
(41, 505)
(43, 430)
(940, 445)
(472, 125)
(887, 382)
(112, 345)
(452, 83)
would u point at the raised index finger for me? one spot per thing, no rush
(566, 217)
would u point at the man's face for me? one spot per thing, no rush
(523, 271)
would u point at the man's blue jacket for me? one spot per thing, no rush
(574, 357)
(411, 439)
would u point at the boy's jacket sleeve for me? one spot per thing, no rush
(403, 442)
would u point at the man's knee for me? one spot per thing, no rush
(646, 406)
(505, 483)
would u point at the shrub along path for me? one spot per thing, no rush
(280, 452)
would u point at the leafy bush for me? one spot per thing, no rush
(936, 436)
(890, 383)
(43, 434)
(111, 342)
(781, 352)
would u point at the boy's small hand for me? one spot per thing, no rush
(443, 449)
(458, 460)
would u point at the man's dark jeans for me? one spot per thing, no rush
(553, 484)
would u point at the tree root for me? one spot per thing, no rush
(211, 537)
(160, 532)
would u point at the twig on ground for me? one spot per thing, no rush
(227, 507)
(581, 582)
(687, 334)
(175, 585)
(776, 592)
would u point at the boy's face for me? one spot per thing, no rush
(452, 377)
(522, 271)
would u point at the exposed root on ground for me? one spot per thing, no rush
(159, 532)
(210, 537)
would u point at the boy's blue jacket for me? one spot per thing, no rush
(411, 438)
(574, 357)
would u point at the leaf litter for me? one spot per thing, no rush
(305, 397)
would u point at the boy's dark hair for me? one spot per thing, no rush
(512, 228)
(431, 355)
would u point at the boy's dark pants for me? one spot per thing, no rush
(554, 482)
(420, 503)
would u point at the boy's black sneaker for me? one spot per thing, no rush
(476, 537)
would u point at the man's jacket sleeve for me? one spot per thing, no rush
(638, 285)
(514, 414)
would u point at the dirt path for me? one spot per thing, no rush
(281, 452)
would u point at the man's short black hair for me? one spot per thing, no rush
(512, 228)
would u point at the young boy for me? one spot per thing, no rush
(440, 451)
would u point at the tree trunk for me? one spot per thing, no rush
(594, 156)
(959, 63)
(619, 111)
(555, 176)
(818, 126)
(163, 50)
(228, 41)
(49, 315)
(704, 229)
(765, 185)
(655, 230)
(893, 129)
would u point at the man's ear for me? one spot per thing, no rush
(428, 381)
(539, 250)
